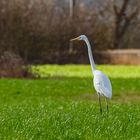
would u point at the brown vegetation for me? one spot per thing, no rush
(12, 65)
(123, 21)
(39, 30)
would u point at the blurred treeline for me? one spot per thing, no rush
(39, 30)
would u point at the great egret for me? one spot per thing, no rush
(101, 82)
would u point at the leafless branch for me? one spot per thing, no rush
(122, 21)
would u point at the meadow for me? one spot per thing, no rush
(62, 105)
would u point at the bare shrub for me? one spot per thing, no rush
(12, 65)
(40, 30)
(96, 23)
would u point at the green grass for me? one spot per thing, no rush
(63, 105)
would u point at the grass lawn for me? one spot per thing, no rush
(63, 105)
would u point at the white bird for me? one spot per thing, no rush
(101, 82)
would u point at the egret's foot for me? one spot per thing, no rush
(107, 105)
(99, 98)
(107, 109)
(101, 110)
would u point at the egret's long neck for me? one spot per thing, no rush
(93, 67)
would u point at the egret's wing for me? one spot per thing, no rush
(102, 84)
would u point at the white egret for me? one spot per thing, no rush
(101, 82)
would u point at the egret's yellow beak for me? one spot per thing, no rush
(77, 38)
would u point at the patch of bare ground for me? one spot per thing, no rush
(86, 96)
(127, 98)
(116, 99)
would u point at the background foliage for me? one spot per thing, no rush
(39, 30)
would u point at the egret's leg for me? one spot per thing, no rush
(100, 103)
(106, 105)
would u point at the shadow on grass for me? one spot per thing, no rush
(67, 86)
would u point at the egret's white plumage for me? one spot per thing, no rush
(101, 82)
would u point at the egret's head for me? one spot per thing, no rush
(81, 37)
